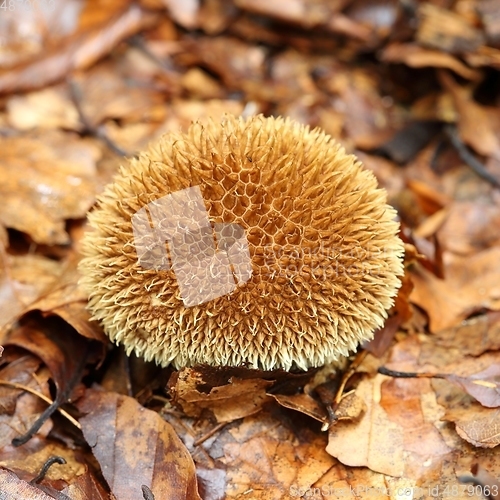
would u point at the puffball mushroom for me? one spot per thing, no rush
(251, 242)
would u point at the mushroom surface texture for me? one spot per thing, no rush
(248, 242)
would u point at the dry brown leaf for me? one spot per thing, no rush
(238, 399)
(350, 407)
(484, 56)
(11, 304)
(470, 226)
(475, 126)
(412, 404)
(200, 84)
(237, 63)
(266, 460)
(38, 178)
(476, 424)
(383, 337)
(50, 108)
(80, 50)
(64, 352)
(28, 38)
(302, 403)
(483, 386)
(146, 450)
(367, 121)
(184, 12)
(22, 409)
(471, 283)
(13, 488)
(472, 337)
(20, 371)
(64, 298)
(419, 57)
(297, 11)
(28, 460)
(379, 442)
(446, 30)
(104, 92)
(24, 279)
(86, 487)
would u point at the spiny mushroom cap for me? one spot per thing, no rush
(323, 249)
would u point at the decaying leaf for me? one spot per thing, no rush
(146, 449)
(13, 488)
(38, 178)
(476, 424)
(483, 386)
(237, 399)
(304, 404)
(470, 284)
(411, 88)
(379, 440)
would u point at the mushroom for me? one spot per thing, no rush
(251, 242)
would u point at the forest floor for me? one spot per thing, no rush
(411, 88)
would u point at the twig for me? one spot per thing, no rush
(393, 373)
(468, 157)
(137, 42)
(88, 126)
(348, 374)
(62, 396)
(49, 401)
(209, 434)
(45, 468)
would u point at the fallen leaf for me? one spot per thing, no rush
(28, 409)
(470, 226)
(378, 441)
(103, 93)
(474, 123)
(476, 424)
(86, 487)
(265, 459)
(446, 30)
(420, 57)
(237, 399)
(28, 460)
(49, 108)
(13, 488)
(77, 51)
(471, 283)
(302, 403)
(146, 450)
(184, 12)
(483, 386)
(472, 337)
(63, 351)
(65, 298)
(38, 178)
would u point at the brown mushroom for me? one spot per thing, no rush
(255, 242)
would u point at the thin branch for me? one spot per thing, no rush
(466, 155)
(393, 373)
(88, 126)
(46, 466)
(26, 388)
(360, 357)
(209, 434)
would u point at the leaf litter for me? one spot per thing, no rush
(412, 90)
